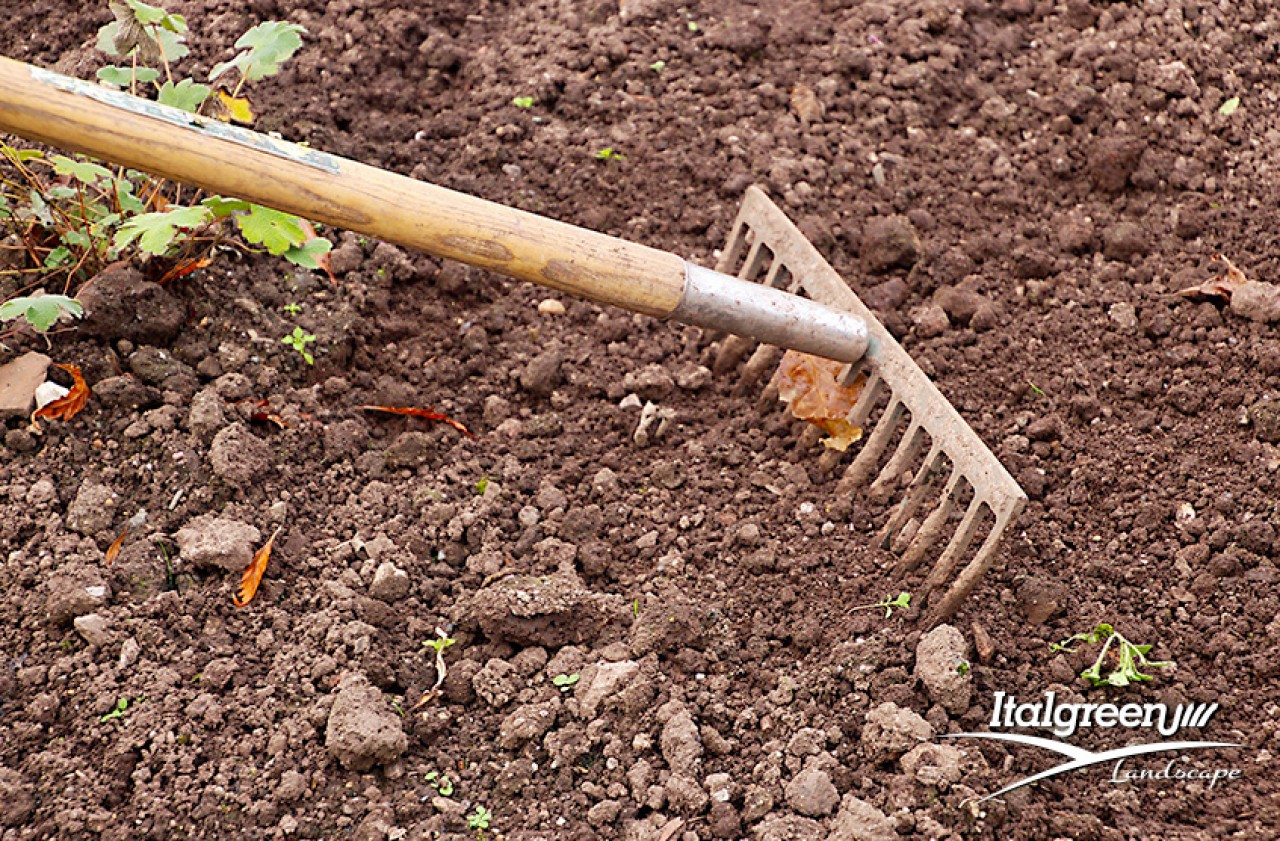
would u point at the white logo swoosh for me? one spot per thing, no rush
(1080, 757)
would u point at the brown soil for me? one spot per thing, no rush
(1067, 162)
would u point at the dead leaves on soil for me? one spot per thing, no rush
(113, 551)
(68, 405)
(426, 414)
(810, 385)
(1219, 287)
(253, 573)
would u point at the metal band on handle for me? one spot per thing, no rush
(723, 302)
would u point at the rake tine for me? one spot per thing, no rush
(970, 576)
(733, 248)
(916, 493)
(960, 541)
(876, 444)
(902, 456)
(931, 527)
(761, 361)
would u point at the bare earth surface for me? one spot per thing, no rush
(1063, 165)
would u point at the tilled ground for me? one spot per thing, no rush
(1016, 187)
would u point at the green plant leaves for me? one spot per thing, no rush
(82, 171)
(307, 254)
(276, 231)
(123, 77)
(186, 94)
(1130, 658)
(155, 232)
(266, 46)
(40, 311)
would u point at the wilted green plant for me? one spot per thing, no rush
(1130, 659)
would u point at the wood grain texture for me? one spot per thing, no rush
(337, 191)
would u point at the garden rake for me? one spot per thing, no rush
(799, 301)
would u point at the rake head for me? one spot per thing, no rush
(957, 477)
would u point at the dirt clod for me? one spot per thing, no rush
(889, 242)
(218, 543)
(890, 731)
(362, 729)
(942, 665)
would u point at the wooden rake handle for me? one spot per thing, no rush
(200, 151)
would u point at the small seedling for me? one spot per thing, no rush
(693, 26)
(902, 602)
(479, 820)
(482, 485)
(607, 154)
(118, 712)
(566, 682)
(395, 704)
(1036, 389)
(963, 668)
(523, 102)
(443, 785)
(292, 308)
(658, 66)
(438, 645)
(298, 340)
(1130, 659)
(1229, 107)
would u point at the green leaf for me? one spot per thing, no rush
(82, 171)
(40, 311)
(61, 192)
(76, 239)
(20, 155)
(172, 44)
(107, 39)
(224, 207)
(266, 46)
(155, 232)
(523, 102)
(1229, 107)
(276, 231)
(123, 77)
(305, 255)
(59, 256)
(186, 94)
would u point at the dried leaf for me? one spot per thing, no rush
(810, 385)
(113, 551)
(233, 109)
(425, 414)
(253, 573)
(66, 407)
(1220, 286)
(184, 269)
(805, 103)
(262, 414)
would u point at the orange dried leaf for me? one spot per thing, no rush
(425, 414)
(69, 405)
(262, 414)
(233, 109)
(253, 573)
(184, 269)
(113, 551)
(810, 386)
(1217, 287)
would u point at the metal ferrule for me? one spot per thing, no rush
(723, 302)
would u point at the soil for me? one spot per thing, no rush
(1049, 171)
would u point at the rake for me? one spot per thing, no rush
(799, 301)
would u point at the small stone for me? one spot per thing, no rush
(217, 542)
(887, 296)
(292, 786)
(72, 596)
(93, 509)
(789, 828)
(363, 730)
(527, 723)
(93, 627)
(1112, 160)
(937, 766)
(1042, 598)
(651, 382)
(812, 793)
(942, 666)
(930, 320)
(1123, 314)
(239, 457)
(410, 449)
(858, 820)
(207, 414)
(1256, 301)
(18, 382)
(959, 303)
(757, 802)
(390, 583)
(603, 813)
(1124, 240)
(1047, 428)
(129, 652)
(890, 731)
(542, 374)
(693, 377)
(1265, 417)
(550, 306)
(631, 401)
(889, 242)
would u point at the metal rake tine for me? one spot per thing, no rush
(960, 541)
(969, 577)
(931, 527)
(733, 247)
(916, 493)
(902, 456)
(764, 358)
